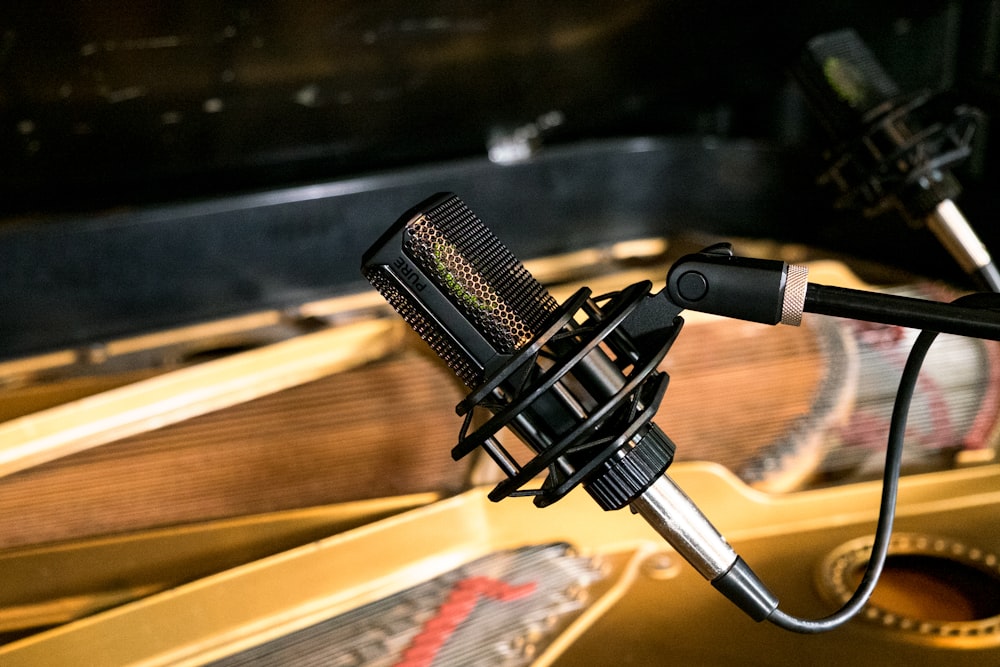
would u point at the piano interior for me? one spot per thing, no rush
(220, 446)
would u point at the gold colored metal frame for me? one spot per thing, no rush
(657, 609)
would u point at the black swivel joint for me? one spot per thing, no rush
(758, 290)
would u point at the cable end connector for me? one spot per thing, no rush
(746, 591)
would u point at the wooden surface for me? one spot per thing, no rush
(378, 431)
(338, 416)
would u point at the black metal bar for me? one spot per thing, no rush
(902, 311)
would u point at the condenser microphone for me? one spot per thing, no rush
(892, 149)
(577, 382)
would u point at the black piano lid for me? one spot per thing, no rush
(180, 162)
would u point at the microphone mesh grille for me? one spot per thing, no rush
(479, 274)
(456, 359)
(499, 305)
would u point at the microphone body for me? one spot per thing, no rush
(577, 382)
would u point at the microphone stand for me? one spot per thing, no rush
(773, 292)
(952, 318)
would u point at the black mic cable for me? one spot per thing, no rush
(579, 384)
(772, 292)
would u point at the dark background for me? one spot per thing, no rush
(164, 163)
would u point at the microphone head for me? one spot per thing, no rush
(844, 82)
(457, 286)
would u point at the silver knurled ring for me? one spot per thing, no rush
(794, 300)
